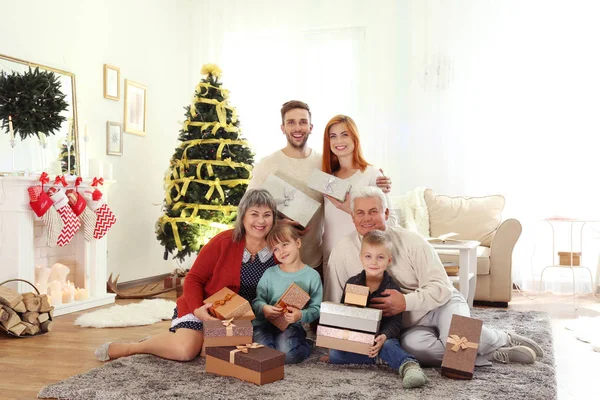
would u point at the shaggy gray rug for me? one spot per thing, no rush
(148, 377)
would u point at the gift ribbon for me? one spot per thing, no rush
(228, 324)
(96, 181)
(328, 187)
(44, 178)
(345, 334)
(78, 182)
(60, 179)
(224, 300)
(460, 343)
(243, 349)
(287, 197)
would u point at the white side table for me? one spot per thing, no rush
(467, 263)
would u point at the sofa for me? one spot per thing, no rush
(473, 218)
(478, 218)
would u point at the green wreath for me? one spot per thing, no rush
(34, 101)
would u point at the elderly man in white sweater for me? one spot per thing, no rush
(427, 298)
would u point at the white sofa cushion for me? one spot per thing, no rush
(483, 258)
(473, 218)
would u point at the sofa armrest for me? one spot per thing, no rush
(501, 251)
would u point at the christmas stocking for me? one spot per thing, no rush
(41, 204)
(86, 216)
(70, 220)
(105, 217)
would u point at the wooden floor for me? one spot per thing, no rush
(26, 365)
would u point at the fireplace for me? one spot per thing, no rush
(23, 247)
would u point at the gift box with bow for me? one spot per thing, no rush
(356, 295)
(461, 347)
(349, 317)
(293, 296)
(344, 339)
(252, 362)
(228, 304)
(329, 185)
(291, 202)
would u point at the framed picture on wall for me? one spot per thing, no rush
(114, 138)
(112, 82)
(135, 108)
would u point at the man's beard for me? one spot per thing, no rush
(300, 146)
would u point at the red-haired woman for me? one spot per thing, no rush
(342, 157)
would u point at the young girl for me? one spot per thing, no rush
(285, 242)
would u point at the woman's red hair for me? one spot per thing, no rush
(330, 160)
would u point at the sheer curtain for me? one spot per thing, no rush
(264, 70)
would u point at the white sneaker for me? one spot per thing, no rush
(515, 354)
(518, 340)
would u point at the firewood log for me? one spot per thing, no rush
(13, 318)
(43, 317)
(30, 329)
(9, 297)
(30, 316)
(18, 329)
(45, 304)
(46, 326)
(32, 303)
(21, 307)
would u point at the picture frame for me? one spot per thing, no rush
(114, 138)
(135, 108)
(112, 82)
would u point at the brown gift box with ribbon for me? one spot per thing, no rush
(293, 296)
(344, 339)
(172, 281)
(356, 295)
(229, 332)
(228, 304)
(461, 347)
(253, 362)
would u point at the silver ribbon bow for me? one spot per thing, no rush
(288, 197)
(328, 187)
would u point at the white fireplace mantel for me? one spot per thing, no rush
(18, 252)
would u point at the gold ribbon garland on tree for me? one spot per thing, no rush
(180, 182)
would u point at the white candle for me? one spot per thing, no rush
(42, 138)
(69, 130)
(42, 274)
(68, 293)
(55, 293)
(10, 128)
(81, 294)
(59, 273)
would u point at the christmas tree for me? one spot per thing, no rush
(208, 174)
(64, 158)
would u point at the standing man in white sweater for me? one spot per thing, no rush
(427, 297)
(294, 164)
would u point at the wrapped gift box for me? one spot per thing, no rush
(173, 281)
(350, 317)
(356, 294)
(329, 185)
(344, 339)
(252, 363)
(226, 333)
(291, 202)
(293, 296)
(228, 304)
(461, 347)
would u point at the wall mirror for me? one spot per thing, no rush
(29, 155)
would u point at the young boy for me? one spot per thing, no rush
(376, 255)
(285, 242)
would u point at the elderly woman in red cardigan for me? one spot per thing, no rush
(236, 258)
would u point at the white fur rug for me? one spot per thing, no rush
(146, 312)
(586, 329)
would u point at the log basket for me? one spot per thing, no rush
(37, 292)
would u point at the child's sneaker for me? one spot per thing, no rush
(412, 375)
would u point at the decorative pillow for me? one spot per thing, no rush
(473, 218)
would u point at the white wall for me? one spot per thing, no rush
(149, 41)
